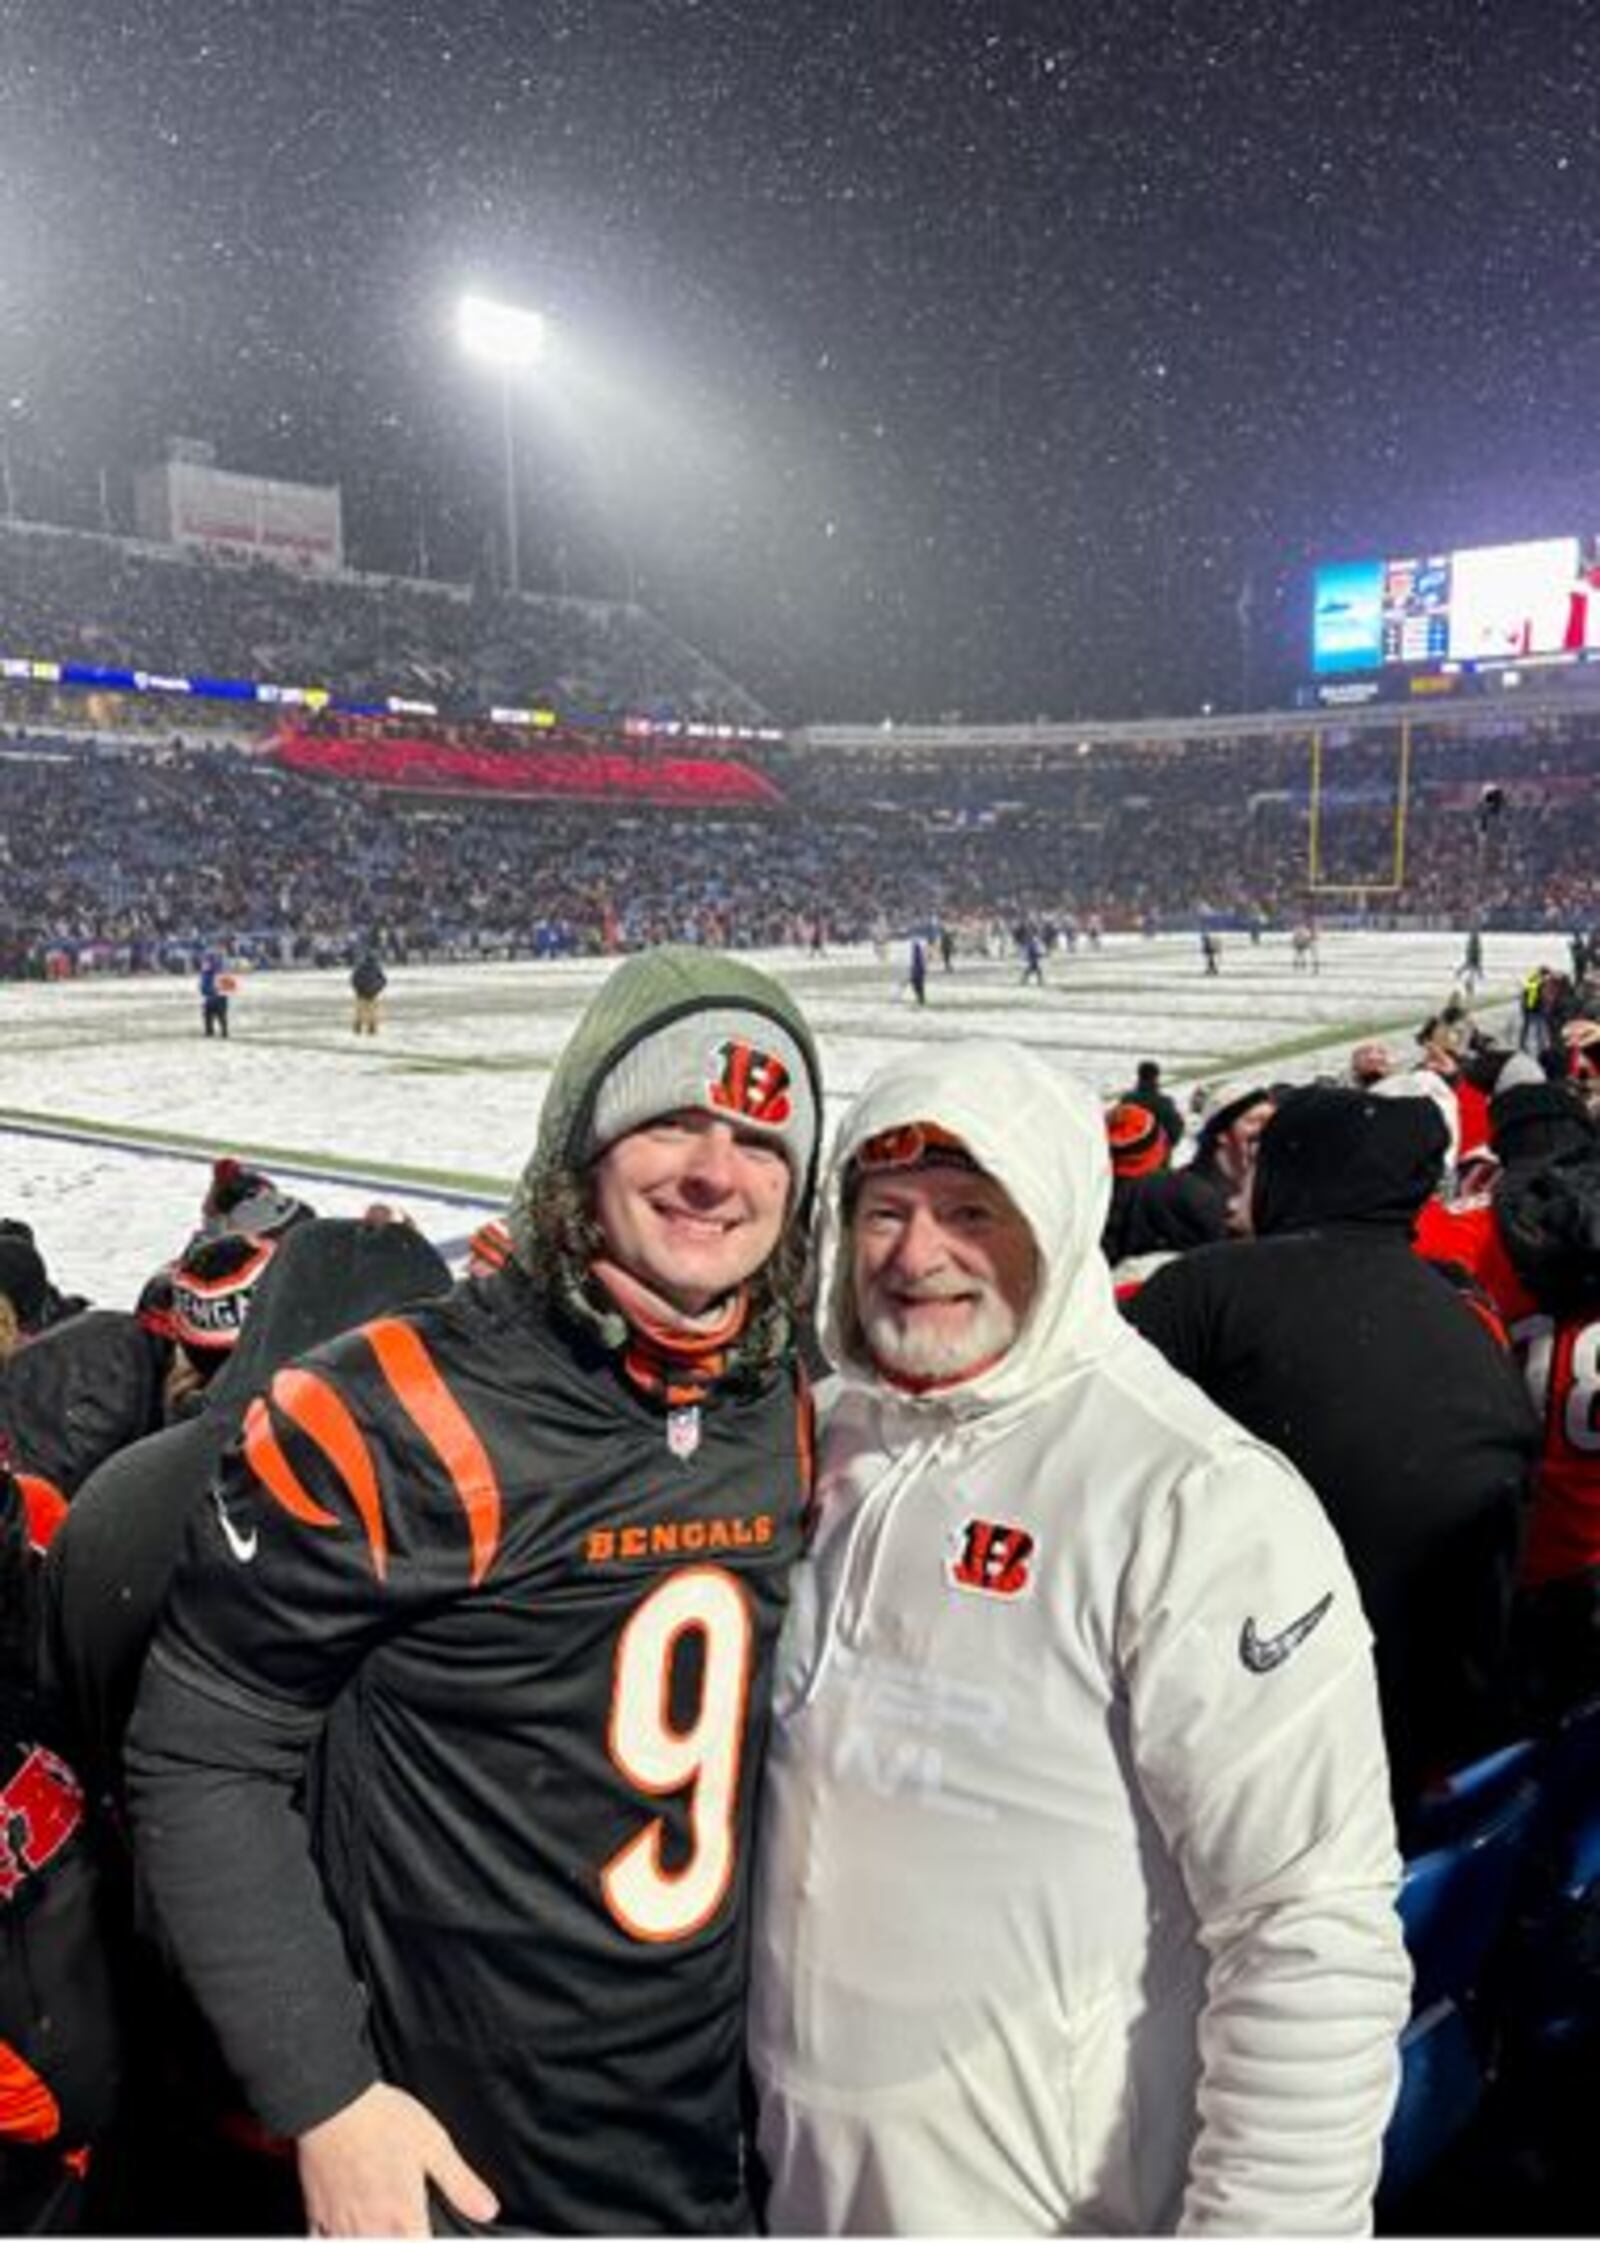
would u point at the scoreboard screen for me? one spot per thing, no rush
(1480, 605)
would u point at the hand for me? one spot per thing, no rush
(1579, 1035)
(179, 1388)
(366, 2170)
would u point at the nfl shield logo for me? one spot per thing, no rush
(683, 1432)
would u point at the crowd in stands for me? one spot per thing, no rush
(129, 860)
(137, 858)
(78, 596)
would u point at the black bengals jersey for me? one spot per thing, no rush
(504, 1623)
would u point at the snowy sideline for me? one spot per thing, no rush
(436, 1115)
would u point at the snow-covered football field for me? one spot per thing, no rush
(112, 1103)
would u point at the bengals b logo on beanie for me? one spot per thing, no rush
(742, 1066)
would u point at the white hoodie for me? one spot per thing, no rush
(1076, 1891)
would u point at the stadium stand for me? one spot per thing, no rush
(74, 595)
(127, 846)
(126, 855)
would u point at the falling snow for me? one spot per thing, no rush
(1065, 321)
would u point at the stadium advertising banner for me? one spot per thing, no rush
(1486, 605)
(298, 525)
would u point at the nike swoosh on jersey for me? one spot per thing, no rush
(1262, 1653)
(243, 1546)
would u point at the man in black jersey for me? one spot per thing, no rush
(443, 1768)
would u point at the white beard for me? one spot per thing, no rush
(917, 1352)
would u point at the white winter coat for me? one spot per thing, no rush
(1069, 1918)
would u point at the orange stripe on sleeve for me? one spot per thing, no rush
(273, 1469)
(318, 1411)
(28, 2110)
(439, 1417)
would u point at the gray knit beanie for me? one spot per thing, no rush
(741, 1066)
(674, 1028)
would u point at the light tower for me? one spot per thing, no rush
(511, 340)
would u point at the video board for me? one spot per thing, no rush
(1485, 604)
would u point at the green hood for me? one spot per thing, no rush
(645, 993)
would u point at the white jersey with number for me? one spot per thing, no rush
(1077, 1880)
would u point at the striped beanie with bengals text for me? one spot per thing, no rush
(213, 1280)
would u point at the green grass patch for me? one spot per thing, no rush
(1257, 1056)
(184, 1142)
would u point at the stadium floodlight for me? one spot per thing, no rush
(501, 334)
(511, 340)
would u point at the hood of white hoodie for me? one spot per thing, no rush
(1043, 1138)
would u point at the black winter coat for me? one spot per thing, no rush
(1326, 1336)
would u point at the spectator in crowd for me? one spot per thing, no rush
(1084, 1660)
(239, 1198)
(1147, 1092)
(59, 2049)
(55, 1306)
(547, 1525)
(77, 1392)
(112, 1560)
(1580, 1040)
(1452, 1053)
(1156, 1211)
(1426, 1480)
(1369, 1063)
(1225, 1149)
(191, 2162)
(1140, 1147)
(1533, 1245)
(24, 1290)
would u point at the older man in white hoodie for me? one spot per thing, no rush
(1078, 1872)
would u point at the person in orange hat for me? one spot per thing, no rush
(1139, 1145)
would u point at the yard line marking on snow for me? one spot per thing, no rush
(454, 1187)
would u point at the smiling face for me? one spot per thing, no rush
(691, 1205)
(944, 1269)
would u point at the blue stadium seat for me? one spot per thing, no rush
(1459, 1802)
(1552, 1993)
(1569, 1816)
(1454, 1901)
(1441, 2089)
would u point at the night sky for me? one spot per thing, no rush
(915, 355)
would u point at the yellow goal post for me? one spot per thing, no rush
(1388, 877)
